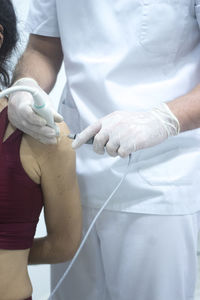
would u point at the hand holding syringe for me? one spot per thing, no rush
(73, 137)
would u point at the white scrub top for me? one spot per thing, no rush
(128, 55)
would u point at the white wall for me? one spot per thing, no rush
(40, 275)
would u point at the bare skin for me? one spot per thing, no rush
(61, 207)
(47, 51)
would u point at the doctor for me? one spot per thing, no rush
(133, 72)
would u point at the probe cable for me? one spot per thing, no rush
(89, 230)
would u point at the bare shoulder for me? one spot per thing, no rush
(51, 153)
(3, 103)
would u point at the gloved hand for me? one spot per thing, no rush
(22, 116)
(124, 132)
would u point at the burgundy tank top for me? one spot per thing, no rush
(21, 198)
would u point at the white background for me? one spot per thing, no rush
(40, 274)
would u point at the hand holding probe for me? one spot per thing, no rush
(40, 106)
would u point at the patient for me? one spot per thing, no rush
(32, 175)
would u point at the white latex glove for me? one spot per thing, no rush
(121, 132)
(22, 116)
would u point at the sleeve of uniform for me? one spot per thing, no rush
(42, 18)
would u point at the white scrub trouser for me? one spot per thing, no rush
(133, 257)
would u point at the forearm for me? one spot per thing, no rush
(187, 109)
(42, 72)
(47, 251)
(41, 61)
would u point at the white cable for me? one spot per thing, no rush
(40, 106)
(88, 232)
(17, 89)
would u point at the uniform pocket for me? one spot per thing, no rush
(162, 25)
(159, 166)
(68, 110)
(197, 11)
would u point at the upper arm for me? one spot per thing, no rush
(49, 48)
(43, 56)
(61, 193)
(41, 60)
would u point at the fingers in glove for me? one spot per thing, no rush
(86, 134)
(112, 147)
(57, 117)
(45, 131)
(32, 118)
(44, 139)
(126, 148)
(100, 141)
(27, 116)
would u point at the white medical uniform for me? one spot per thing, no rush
(130, 55)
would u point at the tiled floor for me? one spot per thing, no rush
(197, 295)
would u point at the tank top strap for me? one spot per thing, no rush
(3, 125)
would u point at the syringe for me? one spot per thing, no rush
(74, 135)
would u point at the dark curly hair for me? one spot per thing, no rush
(9, 22)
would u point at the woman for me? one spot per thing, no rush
(32, 175)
